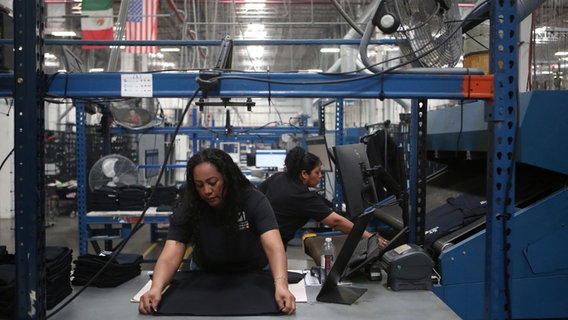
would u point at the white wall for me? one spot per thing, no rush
(7, 172)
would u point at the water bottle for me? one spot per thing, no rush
(327, 259)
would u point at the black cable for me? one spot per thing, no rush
(6, 158)
(346, 17)
(138, 223)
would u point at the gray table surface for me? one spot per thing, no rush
(378, 302)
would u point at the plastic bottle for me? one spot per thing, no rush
(327, 259)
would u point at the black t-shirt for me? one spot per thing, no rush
(293, 203)
(237, 249)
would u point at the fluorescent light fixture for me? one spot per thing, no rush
(561, 53)
(63, 33)
(254, 4)
(256, 52)
(96, 70)
(255, 31)
(329, 50)
(170, 49)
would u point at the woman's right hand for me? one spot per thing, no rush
(149, 301)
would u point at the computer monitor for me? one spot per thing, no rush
(270, 158)
(318, 146)
(233, 149)
(358, 188)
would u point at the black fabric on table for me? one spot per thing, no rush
(132, 197)
(58, 274)
(164, 195)
(7, 289)
(124, 267)
(199, 293)
(102, 199)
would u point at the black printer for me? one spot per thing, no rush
(408, 267)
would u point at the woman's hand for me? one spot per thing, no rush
(149, 301)
(382, 242)
(284, 298)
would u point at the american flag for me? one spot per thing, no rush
(142, 24)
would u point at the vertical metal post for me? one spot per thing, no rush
(501, 115)
(321, 118)
(194, 123)
(339, 140)
(81, 156)
(321, 131)
(416, 221)
(29, 161)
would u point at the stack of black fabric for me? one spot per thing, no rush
(58, 274)
(164, 197)
(124, 267)
(7, 283)
(103, 199)
(132, 198)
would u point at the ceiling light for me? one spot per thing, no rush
(63, 33)
(96, 70)
(254, 4)
(561, 53)
(170, 49)
(329, 50)
(256, 52)
(255, 31)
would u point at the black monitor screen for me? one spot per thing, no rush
(358, 191)
(318, 146)
(151, 156)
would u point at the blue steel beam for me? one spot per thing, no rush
(212, 132)
(29, 175)
(443, 84)
(501, 115)
(202, 43)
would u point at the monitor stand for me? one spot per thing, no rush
(341, 294)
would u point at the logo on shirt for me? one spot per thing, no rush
(242, 222)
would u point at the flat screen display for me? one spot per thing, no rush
(317, 145)
(270, 158)
(358, 190)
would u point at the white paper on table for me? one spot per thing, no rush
(142, 291)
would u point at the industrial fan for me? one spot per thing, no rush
(428, 32)
(136, 113)
(113, 170)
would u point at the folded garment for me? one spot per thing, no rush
(124, 267)
(199, 293)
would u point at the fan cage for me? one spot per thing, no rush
(428, 36)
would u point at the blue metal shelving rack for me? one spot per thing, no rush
(498, 90)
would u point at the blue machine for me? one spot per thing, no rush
(538, 255)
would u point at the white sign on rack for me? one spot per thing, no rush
(136, 85)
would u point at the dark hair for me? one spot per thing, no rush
(298, 160)
(192, 207)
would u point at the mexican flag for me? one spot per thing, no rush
(97, 21)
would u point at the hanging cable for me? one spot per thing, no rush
(138, 225)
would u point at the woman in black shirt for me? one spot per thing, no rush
(230, 224)
(293, 203)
